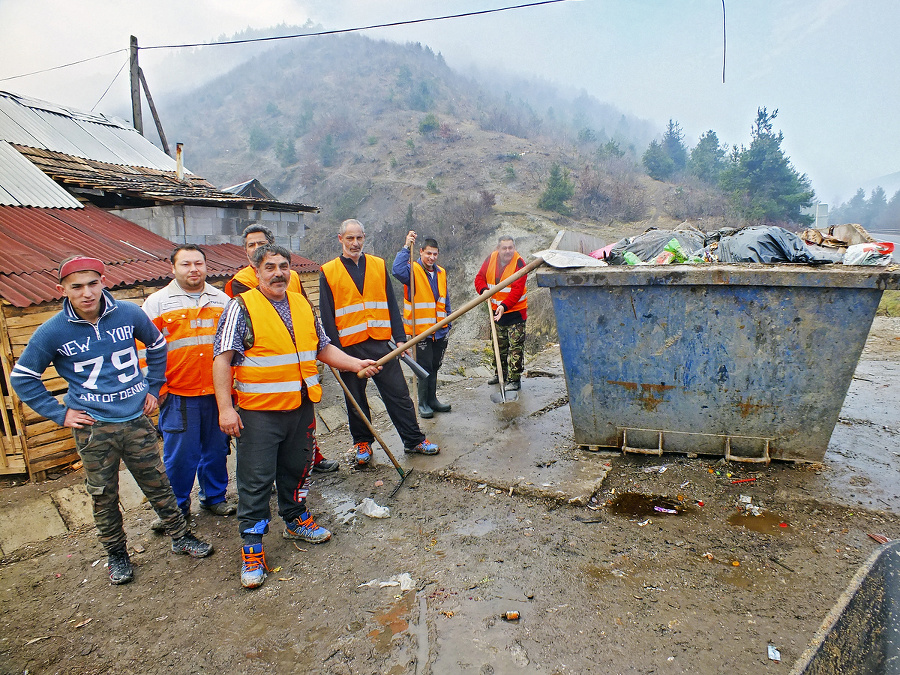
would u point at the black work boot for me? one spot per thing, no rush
(424, 409)
(120, 570)
(436, 405)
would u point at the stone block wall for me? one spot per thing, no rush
(213, 225)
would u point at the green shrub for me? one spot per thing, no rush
(429, 124)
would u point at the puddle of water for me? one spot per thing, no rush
(766, 522)
(603, 573)
(342, 505)
(478, 528)
(392, 622)
(640, 506)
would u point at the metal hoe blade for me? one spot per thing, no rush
(404, 474)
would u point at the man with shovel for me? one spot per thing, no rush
(429, 304)
(509, 307)
(359, 312)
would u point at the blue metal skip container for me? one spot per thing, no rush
(751, 362)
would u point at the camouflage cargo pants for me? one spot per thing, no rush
(512, 351)
(135, 442)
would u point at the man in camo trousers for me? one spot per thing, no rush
(91, 343)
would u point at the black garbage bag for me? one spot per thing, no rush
(766, 244)
(650, 244)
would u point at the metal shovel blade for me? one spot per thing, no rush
(505, 396)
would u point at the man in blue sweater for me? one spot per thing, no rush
(91, 343)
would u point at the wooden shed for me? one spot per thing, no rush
(33, 241)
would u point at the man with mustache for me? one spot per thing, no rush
(186, 312)
(359, 312)
(255, 236)
(271, 339)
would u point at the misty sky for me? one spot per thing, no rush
(826, 65)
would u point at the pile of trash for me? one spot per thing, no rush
(845, 244)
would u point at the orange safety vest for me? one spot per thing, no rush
(189, 334)
(500, 296)
(428, 309)
(274, 368)
(359, 316)
(247, 276)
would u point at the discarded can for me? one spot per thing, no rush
(511, 615)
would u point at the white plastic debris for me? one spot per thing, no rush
(368, 507)
(745, 499)
(404, 581)
(774, 654)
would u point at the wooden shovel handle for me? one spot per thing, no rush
(472, 304)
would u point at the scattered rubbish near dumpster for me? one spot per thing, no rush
(404, 581)
(639, 505)
(860, 633)
(368, 507)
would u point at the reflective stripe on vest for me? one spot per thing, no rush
(189, 333)
(492, 280)
(274, 369)
(359, 316)
(428, 309)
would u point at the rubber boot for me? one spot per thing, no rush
(436, 405)
(425, 410)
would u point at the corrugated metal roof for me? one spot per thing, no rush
(141, 183)
(23, 184)
(33, 242)
(40, 124)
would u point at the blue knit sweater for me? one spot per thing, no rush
(100, 363)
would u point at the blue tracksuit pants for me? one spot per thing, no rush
(194, 446)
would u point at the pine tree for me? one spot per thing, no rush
(708, 158)
(657, 162)
(673, 144)
(559, 190)
(762, 184)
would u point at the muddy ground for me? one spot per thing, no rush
(704, 590)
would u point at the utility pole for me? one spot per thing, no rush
(135, 86)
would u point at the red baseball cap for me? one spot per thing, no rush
(80, 264)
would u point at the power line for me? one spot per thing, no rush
(65, 65)
(298, 35)
(358, 28)
(110, 84)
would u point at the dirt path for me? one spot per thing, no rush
(700, 591)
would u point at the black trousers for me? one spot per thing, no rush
(394, 392)
(274, 446)
(430, 355)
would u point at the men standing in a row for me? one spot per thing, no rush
(255, 236)
(272, 339)
(91, 343)
(430, 305)
(187, 312)
(510, 309)
(359, 313)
